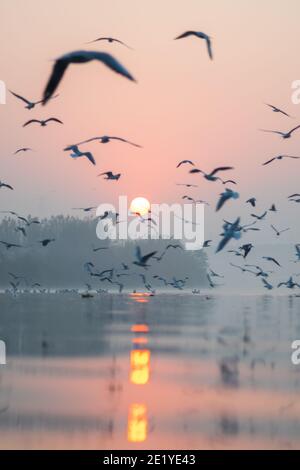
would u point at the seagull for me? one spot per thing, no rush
(105, 139)
(188, 198)
(273, 208)
(211, 283)
(142, 260)
(22, 230)
(246, 249)
(294, 195)
(290, 284)
(10, 245)
(279, 232)
(80, 57)
(266, 284)
(46, 241)
(187, 185)
(225, 196)
(211, 176)
(259, 217)
(111, 40)
(207, 243)
(242, 268)
(28, 222)
(277, 110)
(228, 182)
(110, 175)
(185, 162)
(284, 135)
(279, 157)
(24, 149)
(251, 201)
(29, 104)
(214, 274)
(260, 272)
(273, 260)
(76, 153)
(5, 185)
(231, 230)
(100, 248)
(84, 209)
(41, 122)
(297, 247)
(199, 35)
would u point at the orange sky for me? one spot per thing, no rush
(183, 106)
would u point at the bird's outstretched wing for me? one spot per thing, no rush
(209, 48)
(31, 122)
(221, 168)
(148, 256)
(20, 97)
(186, 34)
(269, 161)
(57, 74)
(54, 120)
(125, 141)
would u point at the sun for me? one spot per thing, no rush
(140, 205)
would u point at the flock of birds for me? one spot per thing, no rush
(230, 230)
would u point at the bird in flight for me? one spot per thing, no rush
(84, 209)
(105, 139)
(185, 162)
(251, 201)
(212, 176)
(284, 135)
(110, 40)
(187, 185)
(110, 176)
(231, 230)
(46, 241)
(279, 157)
(29, 104)
(272, 260)
(225, 196)
(290, 284)
(199, 35)
(76, 153)
(246, 249)
(142, 260)
(279, 232)
(23, 149)
(41, 122)
(277, 110)
(266, 284)
(259, 217)
(10, 245)
(5, 185)
(80, 57)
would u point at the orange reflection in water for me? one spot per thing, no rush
(140, 366)
(140, 328)
(137, 423)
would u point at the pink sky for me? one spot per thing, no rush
(183, 106)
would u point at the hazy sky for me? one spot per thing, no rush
(183, 106)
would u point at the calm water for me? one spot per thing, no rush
(170, 371)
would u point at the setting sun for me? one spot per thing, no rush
(140, 205)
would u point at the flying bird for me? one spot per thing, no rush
(110, 176)
(24, 149)
(142, 260)
(266, 284)
(76, 153)
(105, 139)
(225, 196)
(259, 217)
(110, 40)
(212, 176)
(185, 162)
(272, 260)
(9, 245)
(199, 35)
(290, 284)
(251, 201)
(231, 230)
(279, 232)
(284, 135)
(80, 57)
(279, 157)
(5, 185)
(277, 110)
(187, 185)
(41, 122)
(84, 209)
(46, 241)
(246, 249)
(29, 104)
